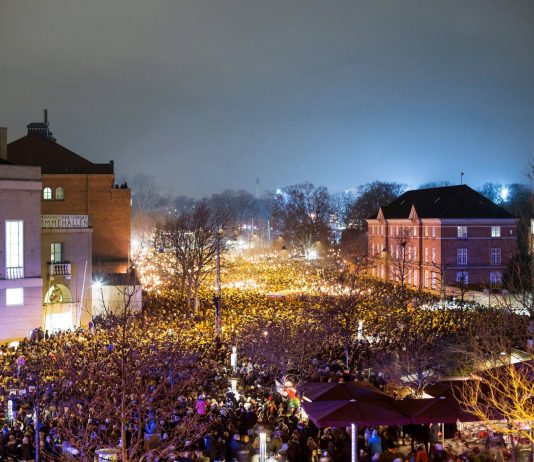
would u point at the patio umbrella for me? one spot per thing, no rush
(442, 410)
(343, 413)
(337, 391)
(353, 413)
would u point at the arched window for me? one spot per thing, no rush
(47, 194)
(60, 194)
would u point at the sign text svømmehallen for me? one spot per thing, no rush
(64, 221)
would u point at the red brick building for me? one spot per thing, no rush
(451, 235)
(85, 224)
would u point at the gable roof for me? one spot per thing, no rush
(34, 149)
(446, 202)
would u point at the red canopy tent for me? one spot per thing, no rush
(442, 410)
(344, 413)
(336, 391)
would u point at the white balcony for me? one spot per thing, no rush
(15, 272)
(59, 270)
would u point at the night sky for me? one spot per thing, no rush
(209, 94)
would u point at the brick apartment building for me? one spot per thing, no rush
(85, 223)
(431, 238)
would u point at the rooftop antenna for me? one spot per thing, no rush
(45, 116)
(257, 188)
(461, 178)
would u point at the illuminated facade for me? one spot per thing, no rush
(437, 237)
(20, 248)
(85, 224)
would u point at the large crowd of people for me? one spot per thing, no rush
(157, 383)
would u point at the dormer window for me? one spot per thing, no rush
(47, 194)
(60, 194)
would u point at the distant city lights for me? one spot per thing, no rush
(504, 193)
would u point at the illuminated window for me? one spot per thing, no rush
(495, 256)
(426, 278)
(495, 277)
(15, 296)
(462, 231)
(495, 231)
(426, 254)
(462, 278)
(433, 232)
(433, 255)
(55, 252)
(47, 194)
(415, 231)
(434, 280)
(415, 278)
(60, 194)
(461, 256)
(14, 249)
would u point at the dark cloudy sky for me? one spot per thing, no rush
(210, 94)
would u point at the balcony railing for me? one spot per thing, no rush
(15, 272)
(59, 270)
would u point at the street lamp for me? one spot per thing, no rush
(170, 334)
(263, 447)
(233, 359)
(217, 297)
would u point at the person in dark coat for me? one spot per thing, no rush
(294, 450)
(26, 450)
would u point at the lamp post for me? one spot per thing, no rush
(233, 359)
(170, 334)
(217, 297)
(263, 447)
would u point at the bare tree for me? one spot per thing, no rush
(402, 258)
(302, 213)
(120, 383)
(500, 391)
(192, 238)
(346, 294)
(285, 346)
(369, 198)
(145, 192)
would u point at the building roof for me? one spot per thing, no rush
(446, 202)
(38, 150)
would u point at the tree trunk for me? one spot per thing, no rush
(189, 289)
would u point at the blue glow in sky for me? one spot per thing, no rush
(207, 95)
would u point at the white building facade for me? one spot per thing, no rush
(21, 282)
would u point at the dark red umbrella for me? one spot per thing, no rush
(338, 391)
(344, 413)
(434, 410)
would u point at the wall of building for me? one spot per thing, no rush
(478, 243)
(20, 191)
(441, 241)
(109, 211)
(77, 251)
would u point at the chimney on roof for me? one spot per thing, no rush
(41, 128)
(3, 143)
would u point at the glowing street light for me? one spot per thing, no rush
(263, 447)
(504, 193)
